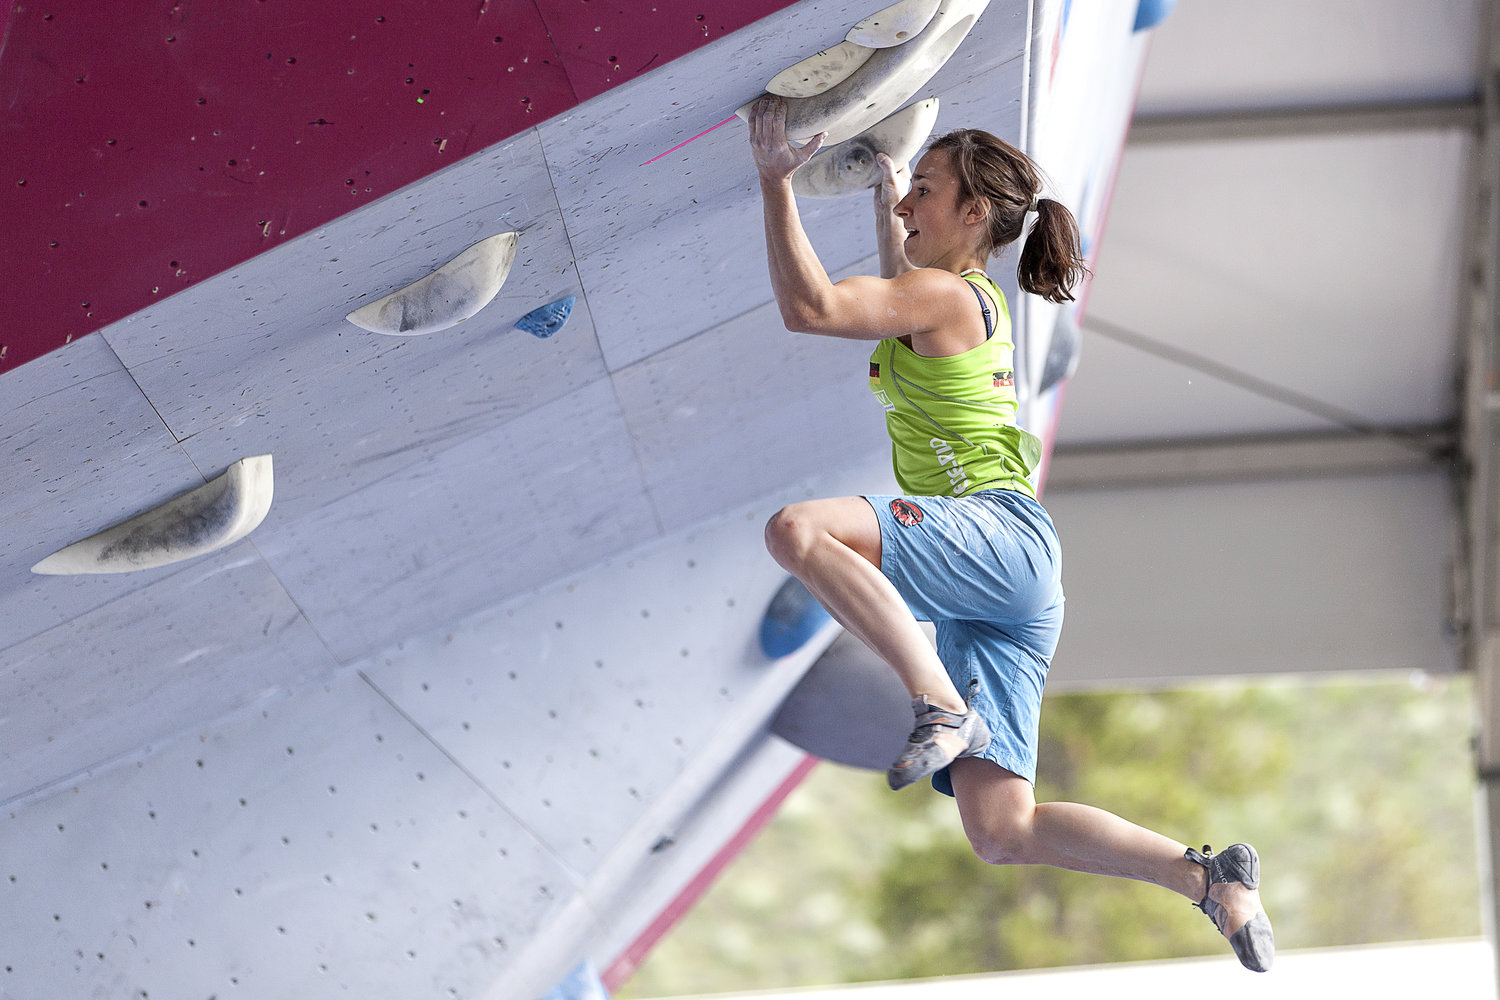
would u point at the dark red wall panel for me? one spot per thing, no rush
(603, 43)
(148, 145)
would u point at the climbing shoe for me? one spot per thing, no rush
(923, 754)
(1253, 942)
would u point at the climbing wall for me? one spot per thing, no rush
(465, 812)
(481, 698)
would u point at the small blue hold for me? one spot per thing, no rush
(583, 983)
(792, 619)
(1150, 13)
(547, 320)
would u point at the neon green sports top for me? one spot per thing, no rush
(952, 421)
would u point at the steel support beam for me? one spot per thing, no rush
(1250, 459)
(1478, 600)
(1277, 123)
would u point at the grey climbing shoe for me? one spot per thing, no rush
(922, 755)
(1254, 944)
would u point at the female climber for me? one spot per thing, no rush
(967, 547)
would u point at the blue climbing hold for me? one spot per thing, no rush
(1063, 351)
(583, 983)
(792, 618)
(547, 320)
(1150, 13)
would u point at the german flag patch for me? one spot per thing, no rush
(874, 372)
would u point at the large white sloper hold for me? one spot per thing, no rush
(894, 25)
(216, 514)
(820, 71)
(850, 167)
(884, 82)
(447, 296)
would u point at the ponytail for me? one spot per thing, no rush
(1052, 263)
(988, 167)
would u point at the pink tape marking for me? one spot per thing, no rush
(681, 144)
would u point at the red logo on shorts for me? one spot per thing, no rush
(906, 512)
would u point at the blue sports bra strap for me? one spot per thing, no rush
(989, 321)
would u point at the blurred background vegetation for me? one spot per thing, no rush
(1358, 794)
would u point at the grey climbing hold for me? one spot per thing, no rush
(820, 71)
(216, 514)
(1063, 351)
(884, 82)
(849, 707)
(850, 167)
(895, 25)
(447, 296)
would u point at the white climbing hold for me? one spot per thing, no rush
(895, 25)
(850, 167)
(216, 514)
(447, 296)
(820, 71)
(884, 82)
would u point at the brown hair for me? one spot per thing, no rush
(991, 169)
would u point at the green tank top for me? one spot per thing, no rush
(952, 421)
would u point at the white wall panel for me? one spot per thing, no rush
(47, 406)
(795, 405)
(581, 706)
(78, 695)
(80, 450)
(275, 326)
(498, 514)
(316, 847)
(401, 407)
(621, 714)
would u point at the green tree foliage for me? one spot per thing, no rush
(1358, 795)
(1150, 758)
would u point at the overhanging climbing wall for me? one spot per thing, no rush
(414, 817)
(467, 813)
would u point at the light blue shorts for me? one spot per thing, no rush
(986, 569)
